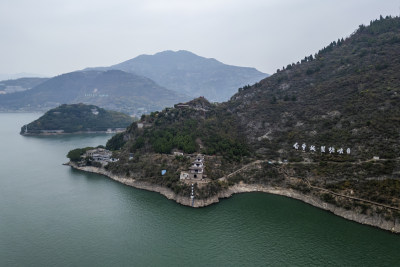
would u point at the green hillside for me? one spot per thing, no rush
(77, 118)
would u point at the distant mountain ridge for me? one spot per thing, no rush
(114, 89)
(190, 74)
(14, 76)
(18, 85)
(137, 86)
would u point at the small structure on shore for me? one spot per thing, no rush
(181, 106)
(196, 171)
(184, 175)
(142, 125)
(178, 153)
(52, 131)
(100, 155)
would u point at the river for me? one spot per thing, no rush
(52, 215)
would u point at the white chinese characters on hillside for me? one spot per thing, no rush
(312, 148)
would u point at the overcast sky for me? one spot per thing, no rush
(51, 37)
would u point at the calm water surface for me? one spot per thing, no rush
(51, 215)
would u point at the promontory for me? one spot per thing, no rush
(325, 130)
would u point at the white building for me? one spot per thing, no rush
(100, 154)
(184, 175)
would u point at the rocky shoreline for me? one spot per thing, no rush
(379, 222)
(63, 133)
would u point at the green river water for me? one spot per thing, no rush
(52, 215)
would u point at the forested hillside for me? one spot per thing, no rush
(77, 118)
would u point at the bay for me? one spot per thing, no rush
(52, 215)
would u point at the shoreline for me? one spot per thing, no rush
(381, 223)
(82, 132)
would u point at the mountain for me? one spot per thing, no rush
(19, 85)
(114, 90)
(4, 76)
(192, 75)
(77, 118)
(346, 96)
(325, 130)
(132, 86)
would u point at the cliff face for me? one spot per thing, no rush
(376, 221)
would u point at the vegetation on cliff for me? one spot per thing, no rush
(194, 127)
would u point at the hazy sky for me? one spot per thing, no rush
(51, 37)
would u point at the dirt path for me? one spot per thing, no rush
(245, 167)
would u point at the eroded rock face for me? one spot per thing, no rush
(376, 221)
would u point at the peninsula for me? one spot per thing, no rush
(77, 118)
(324, 130)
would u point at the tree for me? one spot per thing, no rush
(75, 154)
(116, 142)
(286, 98)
